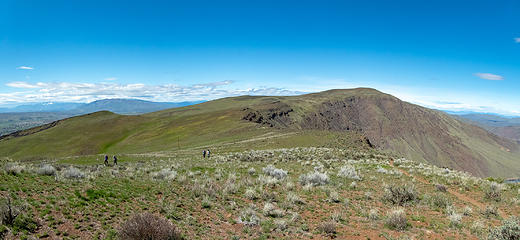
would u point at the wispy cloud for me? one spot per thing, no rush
(24, 85)
(517, 39)
(25, 68)
(110, 78)
(489, 76)
(87, 92)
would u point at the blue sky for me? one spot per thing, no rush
(453, 55)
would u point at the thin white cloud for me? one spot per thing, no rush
(25, 68)
(458, 103)
(489, 76)
(110, 78)
(87, 92)
(22, 85)
(517, 40)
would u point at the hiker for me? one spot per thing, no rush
(115, 160)
(203, 153)
(208, 153)
(106, 160)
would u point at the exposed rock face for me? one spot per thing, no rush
(405, 128)
(388, 123)
(275, 114)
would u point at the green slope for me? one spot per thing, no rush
(347, 118)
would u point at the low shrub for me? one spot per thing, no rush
(441, 188)
(334, 197)
(14, 168)
(455, 219)
(148, 226)
(490, 211)
(15, 215)
(439, 200)
(467, 211)
(271, 211)
(249, 217)
(295, 199)
(47, 170)
(400, 195)
(277, 173)
(494, 192)
(349, 172)
(510, 229)
(314, 179)
(328, 228)
(280, 224)
(73, 173)
(373, 214)
(251, 194)
(251, 171)
(396, 219)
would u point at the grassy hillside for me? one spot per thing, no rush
(362, 117)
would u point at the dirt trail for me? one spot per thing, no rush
(269, 135)
(460, 196)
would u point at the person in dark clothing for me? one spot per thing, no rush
(115, 160)
(106, 160)
(203, 153)
(208, 153)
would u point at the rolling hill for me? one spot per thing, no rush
(27, 116)
(344, 118)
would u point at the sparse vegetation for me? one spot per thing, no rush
(223, 197)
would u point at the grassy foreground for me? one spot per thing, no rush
(284, 193)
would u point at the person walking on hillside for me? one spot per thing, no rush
(115, 160)
(106, 160)
(203, 153)
(208, 153)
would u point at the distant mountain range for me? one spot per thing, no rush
(507, 127)
(32, 115)
(119, 106)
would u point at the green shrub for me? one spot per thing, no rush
(439, 200)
